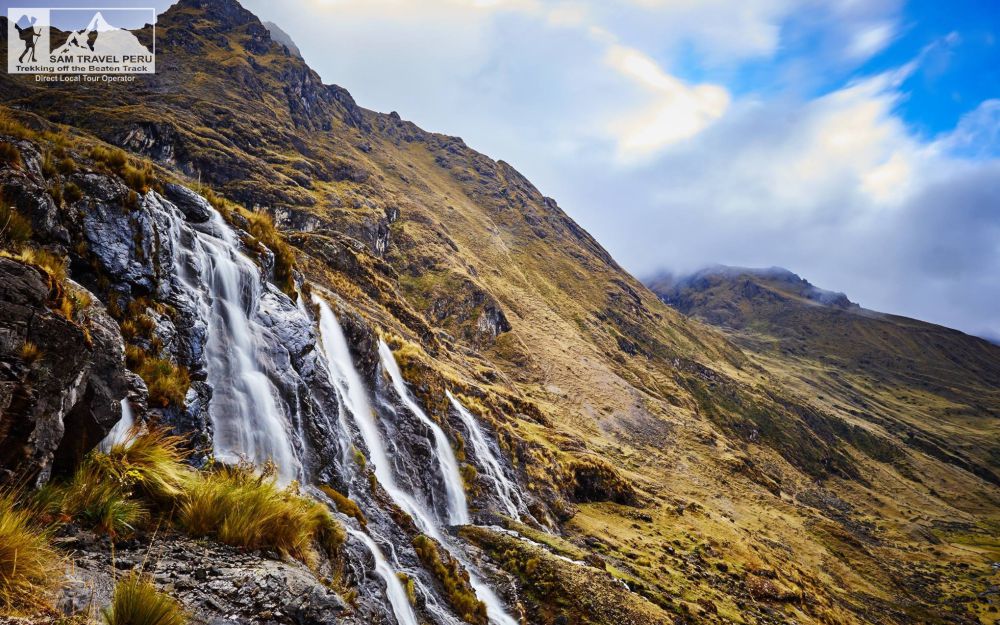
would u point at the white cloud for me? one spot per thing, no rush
(679, 111)
(871, 40)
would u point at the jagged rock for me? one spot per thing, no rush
(215, 583)
(127, 244)
(195, 208)
(492, 322)
(56, 407)
(24, 191)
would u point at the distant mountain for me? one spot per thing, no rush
(280, 36)
(907, 375)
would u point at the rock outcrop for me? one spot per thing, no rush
(61, 382)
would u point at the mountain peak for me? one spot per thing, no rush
(775, 279)
(226, 13)
(280, 36)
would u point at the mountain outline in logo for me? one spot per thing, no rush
(100, 47)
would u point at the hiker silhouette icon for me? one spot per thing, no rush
(29, 35)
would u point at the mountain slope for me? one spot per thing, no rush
(932, 387)
(668, 455)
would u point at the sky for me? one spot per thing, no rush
(855, 142)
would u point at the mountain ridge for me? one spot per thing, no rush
(678, 458)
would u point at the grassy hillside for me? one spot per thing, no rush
(721, 476)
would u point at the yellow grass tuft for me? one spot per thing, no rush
(136, 601)
(241, 507)
(30, 568)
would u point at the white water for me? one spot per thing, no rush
(247, 422)
(398, 599)
(347, 380)
(119, 433)
(506, 490)
(458, 507)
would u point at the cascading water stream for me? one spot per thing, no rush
(398, 599)
(452, 479)
(119, 433)
(506, 491)
(247, 421)
(458, 507)
(345, 377)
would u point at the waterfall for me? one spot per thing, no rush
(458, 508)
(506, 490)
(345, 377)
(398, 599)
(120, 431)
(226, 287)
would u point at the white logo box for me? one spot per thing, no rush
(88, 40)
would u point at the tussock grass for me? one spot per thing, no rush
(345, 505)
(97, 501)
(29, 567)
(167, 383)
(140, 178)
(136, 601)
(13, 127)
(9, 154)
(241, 507)
(15, 228)
(114, 492)
(150, 463)
(29, 352)
(263, 229)
(454, 579)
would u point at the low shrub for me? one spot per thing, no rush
(454, 579)
(15, 228)
(167, 383)
(241, 507)
(30, 568)
(9, 154)
(136, 601)
(345, 505)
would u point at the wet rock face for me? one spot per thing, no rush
(195, 208)
(57, 404)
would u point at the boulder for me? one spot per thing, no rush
(195, 208)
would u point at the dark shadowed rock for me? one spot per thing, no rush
(58, 404)
(195, 208)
